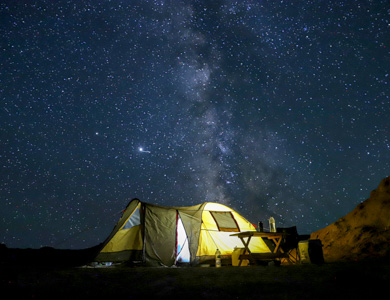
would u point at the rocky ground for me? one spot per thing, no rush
(363, 233)
(342, 280)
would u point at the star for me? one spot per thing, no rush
(141, 149)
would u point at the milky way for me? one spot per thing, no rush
(275, 108)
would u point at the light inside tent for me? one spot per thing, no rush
(182, 250)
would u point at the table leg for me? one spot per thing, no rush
(277, 242)
(246, 250)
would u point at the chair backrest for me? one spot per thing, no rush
(290, 240)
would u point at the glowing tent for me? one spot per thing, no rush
(158, 235)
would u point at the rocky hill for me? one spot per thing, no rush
(363, 233)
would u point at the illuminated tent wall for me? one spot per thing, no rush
(158, 235)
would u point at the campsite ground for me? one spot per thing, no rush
(347, 280)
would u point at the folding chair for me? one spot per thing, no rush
(290, 243)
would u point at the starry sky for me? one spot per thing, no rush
(274, 108)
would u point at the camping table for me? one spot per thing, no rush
(276, 237)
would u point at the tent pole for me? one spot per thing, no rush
(177, 220)
(143, 214)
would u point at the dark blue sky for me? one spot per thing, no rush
(274, 108)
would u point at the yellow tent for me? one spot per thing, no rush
(158, 235)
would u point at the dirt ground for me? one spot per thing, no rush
(343, 280)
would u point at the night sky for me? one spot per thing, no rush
(274, 108)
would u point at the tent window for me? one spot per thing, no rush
(134, 220)
(225, 221)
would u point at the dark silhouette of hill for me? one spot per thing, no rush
(47, 256)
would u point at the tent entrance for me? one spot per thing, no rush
(182, 245)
